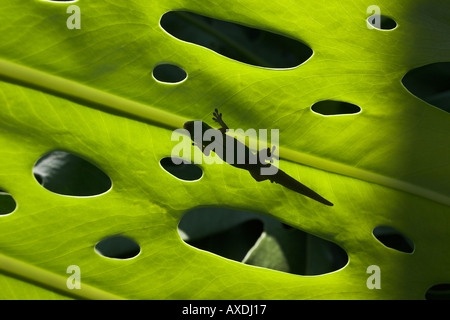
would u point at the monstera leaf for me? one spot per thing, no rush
(90, 91)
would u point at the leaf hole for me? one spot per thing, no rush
(118, 247)
(259, 240)
(335, 108)
(438, 292)
(245, 44)
(169, 73)
(67, 174)
(394, 239)
(7, 203)
(184, 171)
(385, 22)
(430, 83)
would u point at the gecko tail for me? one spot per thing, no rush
(287, 181)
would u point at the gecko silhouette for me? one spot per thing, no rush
(248, 160)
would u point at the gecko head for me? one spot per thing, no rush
(191, 126)
(188, 125)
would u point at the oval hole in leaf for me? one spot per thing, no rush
(335, 108)
(438, 292)
(245, 44)
(430, 83)
(169, 73)
(259, 240)
(185, 171)
(386, 23)
(67, 174)
(118, 247)
(394, 239)
(7, 203)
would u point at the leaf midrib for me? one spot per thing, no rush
(50, 279)
(116, 104)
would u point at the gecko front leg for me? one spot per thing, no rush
(218, 118)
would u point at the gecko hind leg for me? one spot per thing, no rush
(266, 154)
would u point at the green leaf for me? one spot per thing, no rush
(91, 92)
